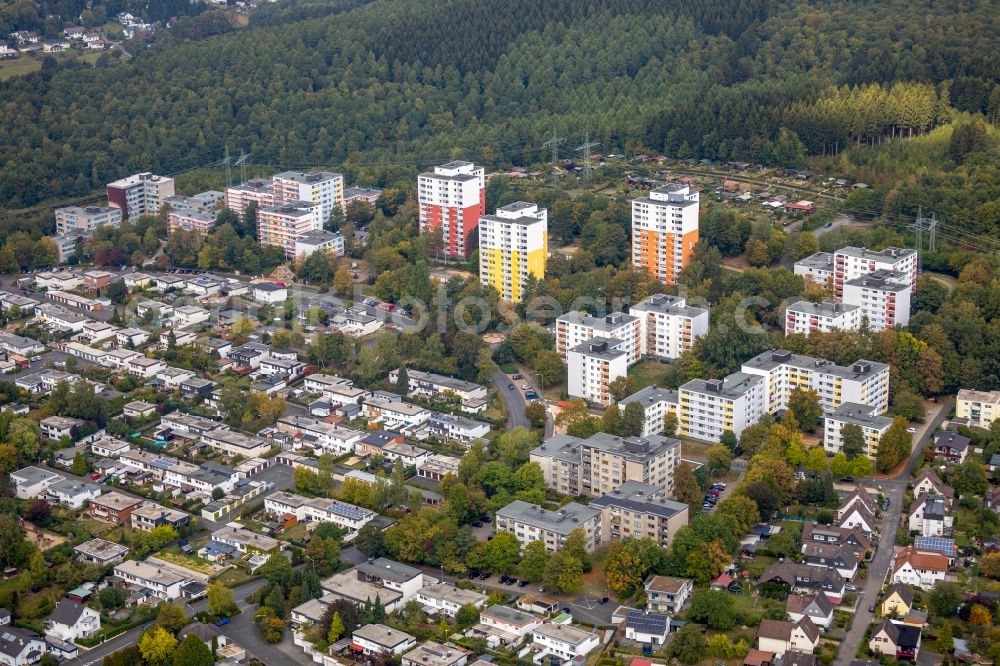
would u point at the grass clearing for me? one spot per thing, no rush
(649, 373)
(19, 66)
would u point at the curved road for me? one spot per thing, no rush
(895, 490)
(514, 403)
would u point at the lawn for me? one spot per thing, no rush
(188, 562)
(649, 373)
(234, 577)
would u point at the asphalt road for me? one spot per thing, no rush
(513, 401)
(878, 569)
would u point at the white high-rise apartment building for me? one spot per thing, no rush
(282, 226)
(707, 408)
(805, 317)
(593, 365)
(78, 220)
(140, 194)
(452, 199)
(574, 328)
(667, 326)
(665, 231)
(863, 382)
(324, 188)
(883, 296)
(513, 244)
(854, 262)
(656, 403)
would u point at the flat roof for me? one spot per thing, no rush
(640, 498)
(651, 395)
(391, 570)
(565, 633)
(892, 253)
(382, 635)
(733, 386)
(860, 415)
(882, 279)
(561, 521)
(824, 309)
(820, 260)
(607, 323)
(451, 593)
(603, 348)
(775, 358)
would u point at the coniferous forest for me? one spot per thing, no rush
(403, 82)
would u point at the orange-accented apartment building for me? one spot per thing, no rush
(665, 230)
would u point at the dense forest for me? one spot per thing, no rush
(368, 87)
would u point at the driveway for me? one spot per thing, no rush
(878, 568)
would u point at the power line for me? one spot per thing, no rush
(554, 144)
(585, 147)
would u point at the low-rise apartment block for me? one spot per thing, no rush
(198, 221)
(319, 510)
(978, 408)
(804, 317)
(562, 643)
(667, 594)
(320, 240)
(432, 385)
(83, 220)
(448, 599)
(866, 417)
(530, 522)
(656, 404)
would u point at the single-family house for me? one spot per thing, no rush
(817, 608)
(951, 446)
(898, 601)
(898, 641)
(72, 620)
(779, 637)
(667, 594)
(922, 570)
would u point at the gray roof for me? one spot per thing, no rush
(442, 380)
(638, 449)
(382, 635)
(820, 260)
(952, 440)
(508, 614)
(317, 236)
(33, 475)
(883, 280)
(607, 323)
(563, 521)
(308, 178)
(860, 369)
(831, 308)
(865, 253)
(204, 632)
(13, 640)
(650, 395)
(641, 498)
(67, 612)
(861, 415)
(605, 348)
(390, 570)
(560, 447)
(733, 386)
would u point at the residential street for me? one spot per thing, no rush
(513, 401)
(878, 569)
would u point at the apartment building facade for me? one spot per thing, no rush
(656, 403)
(140, 194)
(530, 522)
(866, 417)
(707, 408)
(83, 220)
(513, 244)
(804, 317)
(602, 463)
(979, 408)
(864, 382)
(883, 297)
(665, 231)
(640, 510)
(668, 326)
(238, 197)
(854, 262)
(575, 328)
(323, 189)
(198, 221)
(816, 268)
(282, 225)
(592, 367)
(451, 199)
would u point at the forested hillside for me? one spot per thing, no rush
(413, 81)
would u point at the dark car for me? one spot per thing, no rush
(522, 583)
(473, 575)
(484, 576)
(511, 581)
(847, 479)
(604, 600)
(517, 376)
(477, 524)
(565, 609)
(510, 386)
(504, 579)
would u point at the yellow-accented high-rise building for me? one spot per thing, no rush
(513, 244)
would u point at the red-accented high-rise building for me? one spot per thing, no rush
(452, 199)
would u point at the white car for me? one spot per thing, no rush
(911, 430)
(36, 359)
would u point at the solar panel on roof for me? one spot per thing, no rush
(648, 623)
(942, 544)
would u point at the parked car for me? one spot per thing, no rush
(911, 430)
(473, 575)
(522, 583)
(223, 621)
(484, 576)
(517, 376)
